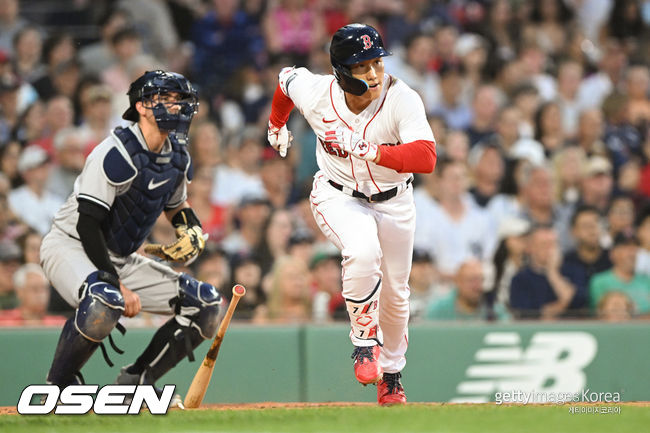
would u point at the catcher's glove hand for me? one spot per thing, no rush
(186, 249)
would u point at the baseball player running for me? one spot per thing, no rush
(372, 135)
(89, 255)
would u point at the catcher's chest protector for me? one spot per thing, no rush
(136, 209)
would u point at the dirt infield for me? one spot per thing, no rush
(11, 410)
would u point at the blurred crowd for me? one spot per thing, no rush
(537, 209)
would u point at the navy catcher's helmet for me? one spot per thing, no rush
(157, 83)
(352, 44)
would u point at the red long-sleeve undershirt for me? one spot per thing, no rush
(418, 156)
(280, 108)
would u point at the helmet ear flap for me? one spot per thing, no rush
(348, 83)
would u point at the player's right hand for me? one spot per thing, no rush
(279, 138)
(132, 305)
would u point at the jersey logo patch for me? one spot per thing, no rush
(154, 185)
(367, 42)
(328, 121)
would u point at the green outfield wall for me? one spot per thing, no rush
(446, 362)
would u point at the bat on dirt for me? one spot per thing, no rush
(202, 377)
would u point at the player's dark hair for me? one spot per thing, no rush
(581, 209)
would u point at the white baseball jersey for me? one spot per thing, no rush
(396, 117)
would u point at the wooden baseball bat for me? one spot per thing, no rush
(203, 375)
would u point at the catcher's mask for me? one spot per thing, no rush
(161, 83)
(352, 44)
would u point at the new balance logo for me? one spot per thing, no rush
(553, 362)
(154, 185)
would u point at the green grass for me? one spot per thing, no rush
(359, 419)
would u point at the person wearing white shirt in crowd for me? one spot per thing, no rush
(32, 202)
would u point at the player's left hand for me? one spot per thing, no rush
(190, 243)
(345, 139)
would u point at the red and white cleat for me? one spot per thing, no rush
(366, 364)
(390, 390)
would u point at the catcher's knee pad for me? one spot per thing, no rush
(364, 318)
(199, 303)
(100, 308)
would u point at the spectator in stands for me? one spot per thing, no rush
(453, 230)
(615, 307)
(32, 123)
(10, 256)
(59, 51)
(414, 68)
(9, 155)
(126, 45)
(622, 139)
(622, 277)
(59, 114)
(451, 108)
(301, 242)
(28, 46)
(225, 39)
(32, 202)
(620, 216)
(159, 35)
(277, 179)
(637, 86)
(213, 267)
(99, 56)
(10, 23)
(487, 167)
(30, 246)
(566, 178)
(549, 21)
(591, 128)
(466, 302)
(569, 76)
(587, 258)
(96, 103)
(33, 293)
(549, 129)
(539, 290)
(250, 217)
(485, 108)
(596, 87)
(509, 258)
(240, 174)
(422, 283)
(596, 184)
(456, 146)
(537, 194)
(274, 242)
(526, 99)
(289, 298)
(69, 146)
(246, 271)
(215, 219)
(291, 28)
(9, 116)
(206, 145)
(472, 51)
(643, 233)
(328, 303)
